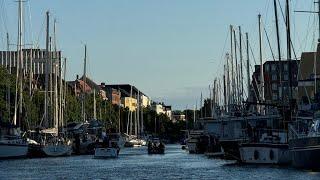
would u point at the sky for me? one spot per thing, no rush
(172, 50)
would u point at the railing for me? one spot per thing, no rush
(292, 132)
(271, 135)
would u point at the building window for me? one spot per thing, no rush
(274, 86)
(274, 77)
(285, 67)
(273, 67)
(286, 77)
(274, 96)
(267, 67)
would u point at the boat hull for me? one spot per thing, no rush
(104, 153)
(57, 150)
(156, 150)
(11, 151)
(192, 147)
(231, 149)
(305, 152)
(260, 153)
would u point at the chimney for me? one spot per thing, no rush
(77, 77)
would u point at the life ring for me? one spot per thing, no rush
(271, 154)
(256, 154)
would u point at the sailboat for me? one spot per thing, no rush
(12, 144)
(54, 142)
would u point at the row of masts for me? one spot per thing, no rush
(55, 87)
(233, 77)
(136, 127)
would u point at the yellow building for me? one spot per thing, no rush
(130, 103)
(145, 101)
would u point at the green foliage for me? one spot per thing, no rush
(6, 81)
(33, 110)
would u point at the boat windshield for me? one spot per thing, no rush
(315, 127)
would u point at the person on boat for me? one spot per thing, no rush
(249, 131)
(106, 141)
(161, 145)
(150, 145)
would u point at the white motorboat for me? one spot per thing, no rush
(143, 142)
(106, 152)
(134, 141)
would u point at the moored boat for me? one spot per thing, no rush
(155, 146)
(12, 145)
(271, 148)
(304, 143)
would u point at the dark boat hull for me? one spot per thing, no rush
(155, 151)
(231, 149)
(306, 158)
(305, 152)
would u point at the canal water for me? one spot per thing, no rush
(135, 163)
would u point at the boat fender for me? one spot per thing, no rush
(256, 154)
(271, 154)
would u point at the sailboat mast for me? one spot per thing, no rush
(8, 65)
(228, 84)
(94, 105)
(46, 109)
(279, 49)
(84, 85)
(210, 100)
(119, 114)
(248, 66)
(138, 113)
(141, 129)
(56, 120)
(56, 68)
(315, 66)
(130, 124)
(224, 89)
(261, 61)
(60, 93)
(20, 60)
(64, 89)
(289, 47)
(19, 54)
(231, 60)
(236, 72)
(241, 59)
